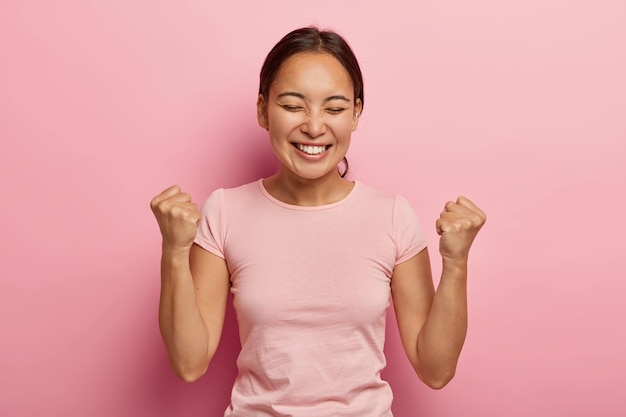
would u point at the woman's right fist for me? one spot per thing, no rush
(177, 217)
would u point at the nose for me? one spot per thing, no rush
(314, 124)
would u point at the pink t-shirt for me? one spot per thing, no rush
(311, 287)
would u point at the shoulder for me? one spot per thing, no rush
(391, 209)
(228, 198)
(373, 195)
(250, 189)
(244, 189)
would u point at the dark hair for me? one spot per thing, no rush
(312, 39)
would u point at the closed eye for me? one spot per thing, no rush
(291, 108)
(335, 110)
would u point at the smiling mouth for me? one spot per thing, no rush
(311, 149)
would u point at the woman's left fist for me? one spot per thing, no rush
(458, 224)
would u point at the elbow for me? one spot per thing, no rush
(189, 374)
(438, 383)
(437, 380)
(189, 377)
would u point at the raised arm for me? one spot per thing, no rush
(194, 287)
(433, 324)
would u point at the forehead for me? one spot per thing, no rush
(314, 71)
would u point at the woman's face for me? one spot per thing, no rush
(310, 113)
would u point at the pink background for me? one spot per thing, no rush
(519, 105)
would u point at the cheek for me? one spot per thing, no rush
(284, 123)
(342, 127)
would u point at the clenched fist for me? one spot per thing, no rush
(458, 225)
(177, 216)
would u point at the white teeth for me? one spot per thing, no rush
(311, 150)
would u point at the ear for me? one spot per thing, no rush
(261, 112)
(357, 113)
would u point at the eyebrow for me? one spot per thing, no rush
(299, 95)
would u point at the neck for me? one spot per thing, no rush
(303, 192)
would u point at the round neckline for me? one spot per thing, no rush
(305, 208)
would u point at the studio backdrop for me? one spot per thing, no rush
(520, 106)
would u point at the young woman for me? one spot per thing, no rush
(311, 258)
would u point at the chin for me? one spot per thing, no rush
(313, 175)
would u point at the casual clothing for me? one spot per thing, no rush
(311, 288)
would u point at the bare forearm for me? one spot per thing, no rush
(182, 328)
(443, 334)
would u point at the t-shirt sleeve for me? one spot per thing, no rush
(210, 235)
(408, 233)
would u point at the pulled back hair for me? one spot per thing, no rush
(312, 39)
